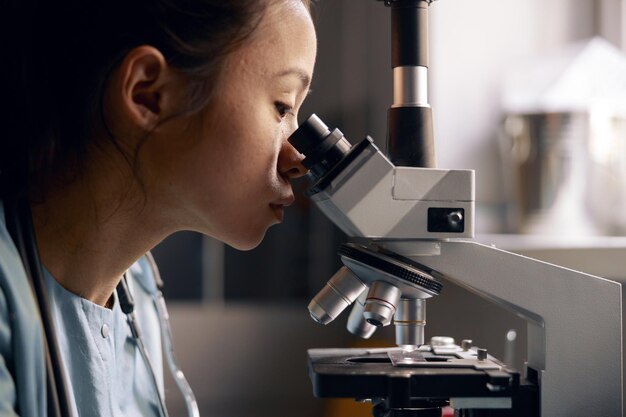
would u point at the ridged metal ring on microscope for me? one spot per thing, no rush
(391, 266)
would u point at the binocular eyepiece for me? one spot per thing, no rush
(322, 148)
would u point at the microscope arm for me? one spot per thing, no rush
(575, 321)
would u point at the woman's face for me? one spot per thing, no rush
(225, 172)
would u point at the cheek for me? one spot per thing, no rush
(252, 152)
(250, 184)
(243, 162)
(223, 179)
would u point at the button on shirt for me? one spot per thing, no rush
(108, 375)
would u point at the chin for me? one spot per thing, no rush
(246, 243)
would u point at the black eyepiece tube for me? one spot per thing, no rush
(410, 137)
(322, 148)
(308, 136)
(409, 33)
(410, 140)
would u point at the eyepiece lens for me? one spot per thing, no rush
(309, 134)
(322, 148)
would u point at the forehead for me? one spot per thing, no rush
(284, 38)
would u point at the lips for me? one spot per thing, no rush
(278, 207)
(285, 201)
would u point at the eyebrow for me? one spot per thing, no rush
(302, 76)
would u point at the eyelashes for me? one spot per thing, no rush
(283, 109)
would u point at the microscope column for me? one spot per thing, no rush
(410, 128)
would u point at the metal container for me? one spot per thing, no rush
(565, 172)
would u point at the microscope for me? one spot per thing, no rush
(410, 227)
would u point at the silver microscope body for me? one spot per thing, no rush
(412, 225)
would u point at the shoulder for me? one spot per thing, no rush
(22, 364)
(17, 297)
(8, 392)
(13, 280)
(18, 308)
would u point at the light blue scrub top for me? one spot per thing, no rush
(107, 373)
(22, 364)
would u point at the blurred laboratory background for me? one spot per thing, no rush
(531, 94)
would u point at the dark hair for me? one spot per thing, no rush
(60, 55)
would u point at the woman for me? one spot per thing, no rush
(135, 120)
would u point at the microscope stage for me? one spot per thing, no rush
(370, 374)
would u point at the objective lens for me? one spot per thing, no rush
(322, 148)
(357, 325)
(410, 320)
(338, 293)
(381, 303)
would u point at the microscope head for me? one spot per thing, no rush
(368, 197)
(377, 203)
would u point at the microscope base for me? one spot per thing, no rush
(482, 388)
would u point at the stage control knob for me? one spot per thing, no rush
(466, 344)
(481, 354)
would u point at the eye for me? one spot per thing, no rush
(283, 109)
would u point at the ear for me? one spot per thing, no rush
(143, 88)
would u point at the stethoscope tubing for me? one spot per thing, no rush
(168, 346)
(18, 219)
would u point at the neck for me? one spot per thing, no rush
(89, 232)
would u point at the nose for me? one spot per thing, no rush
(290, 162)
